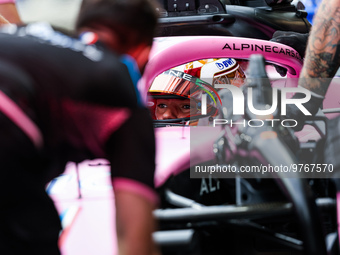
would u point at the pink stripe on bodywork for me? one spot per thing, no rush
(19, 118)
(136, 187)
(174, 51)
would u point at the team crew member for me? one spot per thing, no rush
(323, 50)
(322, 54)
(61, 100)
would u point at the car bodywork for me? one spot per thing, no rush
(83, 194)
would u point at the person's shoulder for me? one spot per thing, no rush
(42, 37)
(30, 35)
(38, 29)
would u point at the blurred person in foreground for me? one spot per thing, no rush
(69, 99)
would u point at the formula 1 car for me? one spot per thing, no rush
(207, 214)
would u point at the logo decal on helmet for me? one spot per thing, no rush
(229, 62)
(219, 66)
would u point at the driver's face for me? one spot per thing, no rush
(174, 108)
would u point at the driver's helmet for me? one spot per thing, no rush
(217, 71)
(176, 97)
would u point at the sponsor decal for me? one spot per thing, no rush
(261, 48)
(225, 64)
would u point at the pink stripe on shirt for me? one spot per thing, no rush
(136, 187)
(19, 118)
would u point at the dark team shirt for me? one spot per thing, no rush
(80, 98)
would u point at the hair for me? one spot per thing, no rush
(132, 21)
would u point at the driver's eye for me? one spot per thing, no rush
(162, 106)
(186, 107)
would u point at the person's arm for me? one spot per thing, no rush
(9, 11)
(135, 224)
(131, 151)
(322, 58)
